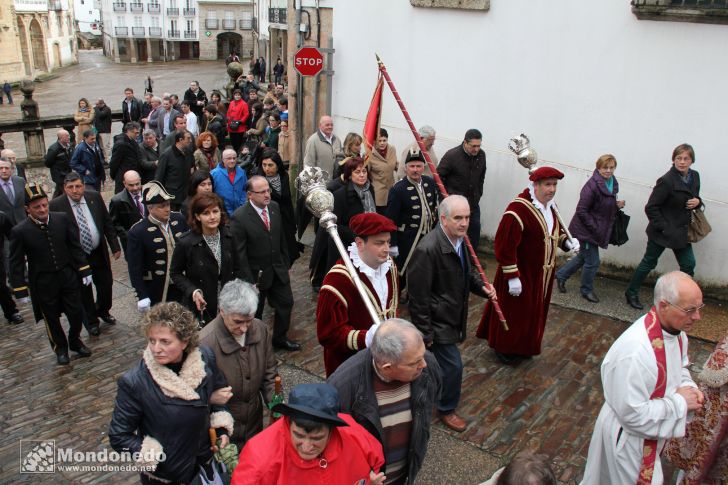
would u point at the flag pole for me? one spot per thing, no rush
(438, 181)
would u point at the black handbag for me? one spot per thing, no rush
(234, 125)
(619, 229)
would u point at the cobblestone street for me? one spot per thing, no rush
(547, 404)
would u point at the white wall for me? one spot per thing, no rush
(87, 15)
(580, 78)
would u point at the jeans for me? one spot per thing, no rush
(451, 367)
(685, 259)
(474, 227)
(588, 257)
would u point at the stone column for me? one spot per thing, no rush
(133, 49)
(115, 43)
(34, 142)
(150, 58)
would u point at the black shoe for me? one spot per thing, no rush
(507, 359)
(108, 318)
(94, 331)
(591, 297)
(286, 344)
(562, 285)
(15, 319)
(62, 358)
(81, 350)
(634, 301)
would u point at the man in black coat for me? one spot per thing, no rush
(56, 268)
(215, 124)
(131, 108)
(126, 155)
(439, 279)
(462, 170)
(102, 123)
(412, 374)
(150, 245)
(126, 208)
(175, 166)
(10, 310)
(87, 210)
(197, 98)
(262, 250)
(58, 159)
(150, 151)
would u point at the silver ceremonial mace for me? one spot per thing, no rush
(528, 159)
(311, 184)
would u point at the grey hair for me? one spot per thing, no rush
(447, 202)
(228, 150)
(426, 131)
(391, 339)
(667, 287)
(238, 297)
(149, 131)
(157, 99)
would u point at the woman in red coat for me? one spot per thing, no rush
(237, 116)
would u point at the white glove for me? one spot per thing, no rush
(24, 300)
(514, 286)
(87, 280)
(573, 244)
(143, 305)
(370, 334)
(394, 251)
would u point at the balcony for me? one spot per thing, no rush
(174, 34)
(277, 15)
(190, 34)
(137, 31)
(136, 7)
(56, 5)
(189, 12)
(172, 11)
(155, 31)
(121, 31)
(228, 24)
(246, 24)
(154, 8)
(212, 24)
(119, 6)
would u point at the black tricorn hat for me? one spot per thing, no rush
(34, 191)
(154, 193)
(414, 155)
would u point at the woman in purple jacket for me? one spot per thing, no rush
(592, 225)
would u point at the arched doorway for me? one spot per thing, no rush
(228, 41)
(37, 43)
(24, 47)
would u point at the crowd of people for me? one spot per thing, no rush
(204, 214)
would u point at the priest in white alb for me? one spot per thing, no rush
(648, 390)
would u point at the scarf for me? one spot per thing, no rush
(367, 201)
(275, 183)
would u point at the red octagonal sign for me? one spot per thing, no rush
(308, 61)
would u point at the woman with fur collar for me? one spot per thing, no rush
(166, 404)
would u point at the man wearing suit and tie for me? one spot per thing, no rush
(126, 208)
(87, 210)
(12, 195)
(261, 245)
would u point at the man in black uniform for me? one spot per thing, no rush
(149, 247)
(56, 267)
(86, 209)
(412, 205)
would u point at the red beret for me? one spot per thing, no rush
(371, 223)
(545, 173)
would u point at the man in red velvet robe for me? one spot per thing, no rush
(342, 319)
(525, 249)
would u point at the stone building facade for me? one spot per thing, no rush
(225, 26)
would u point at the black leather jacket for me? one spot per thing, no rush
(353, 380)
(180, 425)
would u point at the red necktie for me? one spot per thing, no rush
(264, 214)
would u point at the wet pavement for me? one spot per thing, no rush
(547, 404)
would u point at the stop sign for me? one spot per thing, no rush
(308, 61)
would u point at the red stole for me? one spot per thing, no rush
(654, 333)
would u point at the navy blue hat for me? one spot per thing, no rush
(315, 402)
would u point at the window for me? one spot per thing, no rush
(212, 14)
(155, 21)
(137, 21)
(229, 15)
(120, 21)
(173, 25)
(190, 25)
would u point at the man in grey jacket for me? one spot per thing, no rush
(323, 147)
(390, 388)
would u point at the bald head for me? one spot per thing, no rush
(678, 301)
(326, 125)
(63, 136)
(132, 182)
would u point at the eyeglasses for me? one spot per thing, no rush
(265, 191)
(687, 311)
